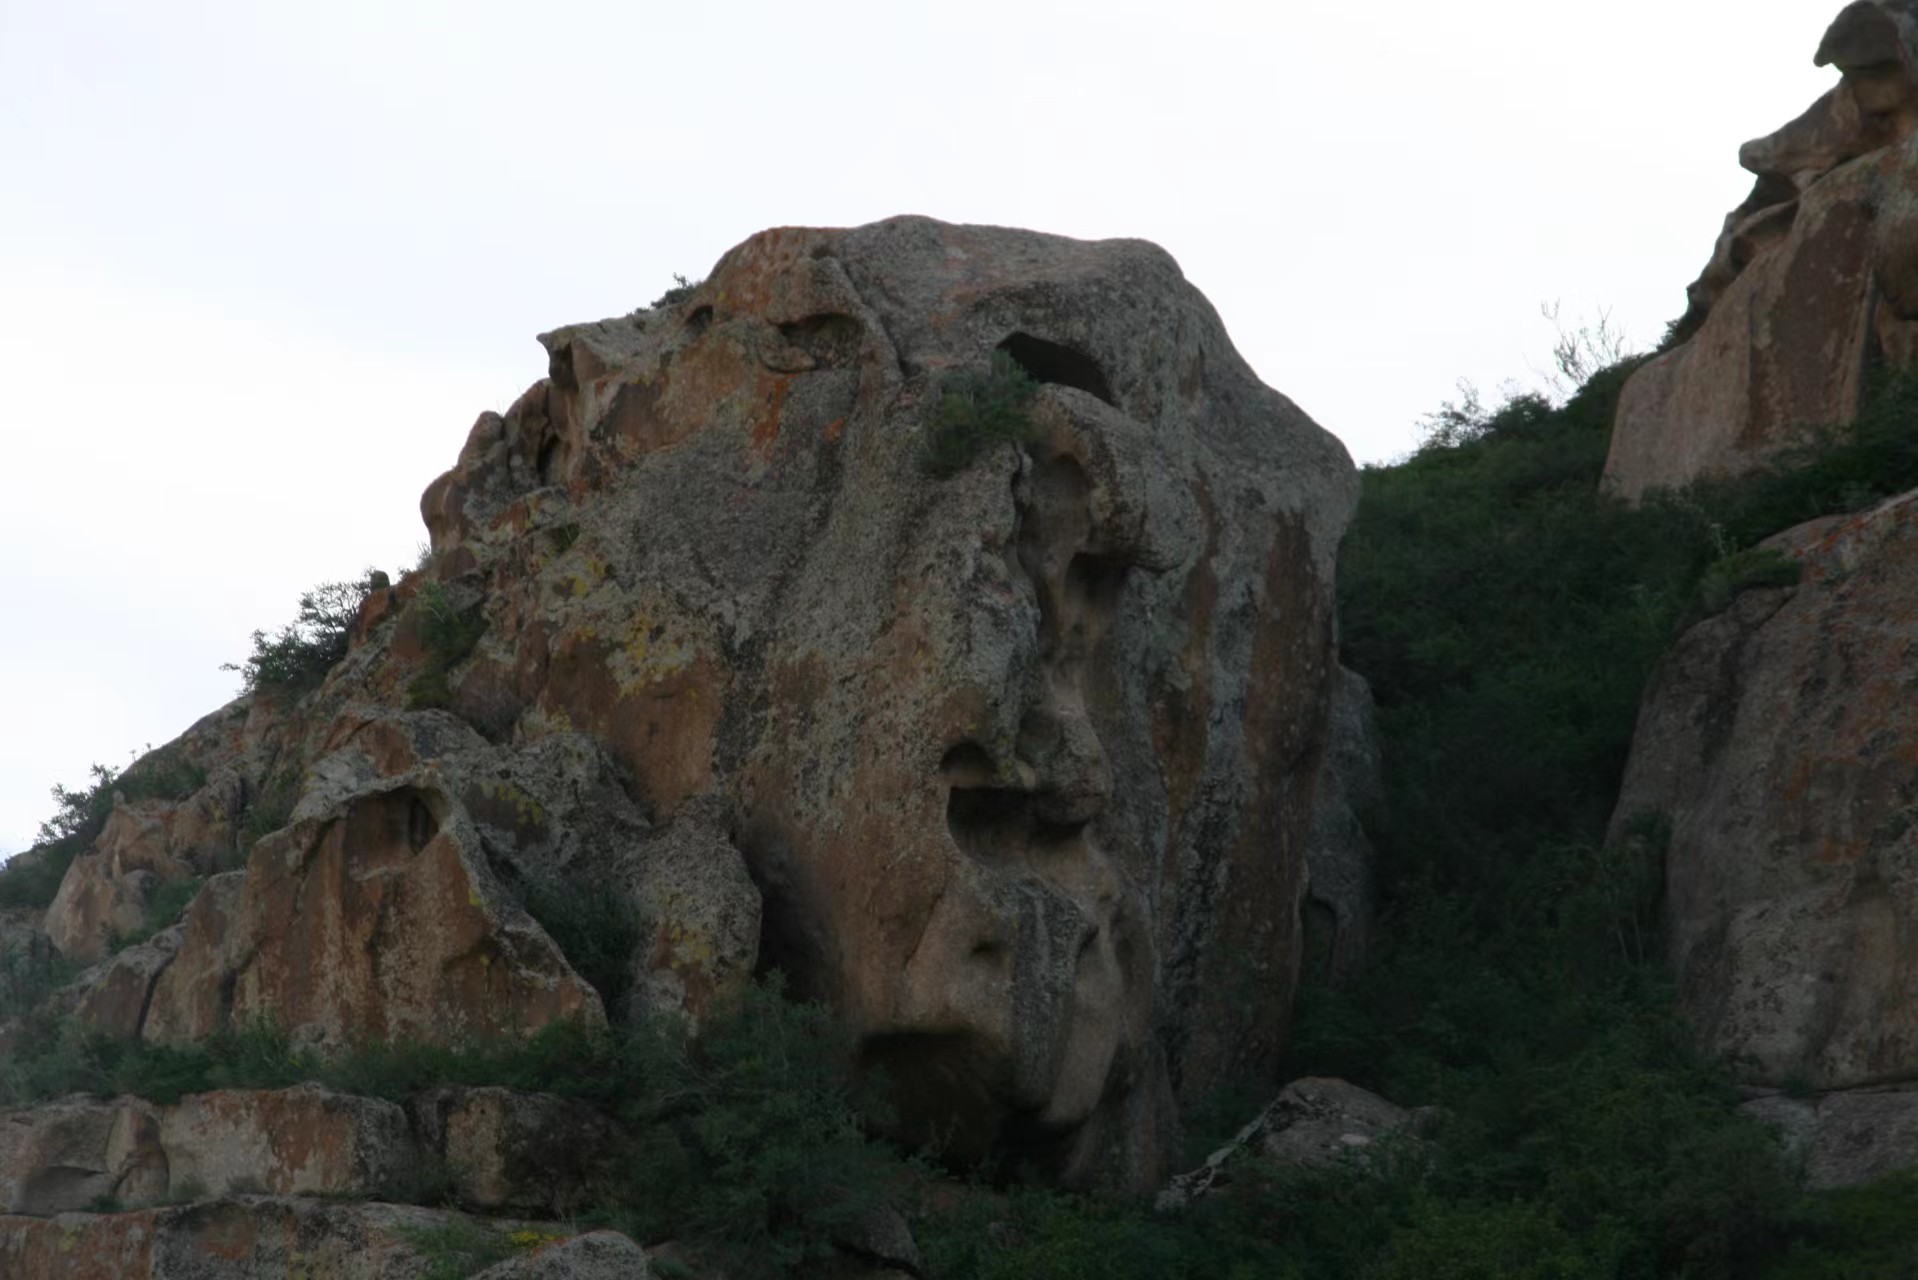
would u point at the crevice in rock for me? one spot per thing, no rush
(1051, 362)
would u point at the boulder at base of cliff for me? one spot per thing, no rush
(1777, 755)
(1845, 1139)
(1314, 1123)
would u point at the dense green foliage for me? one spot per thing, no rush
(597, 931)
(1508, 617)
(299, 656)
(977, 408)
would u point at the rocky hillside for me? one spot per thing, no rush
(863, 784)
(940, 617)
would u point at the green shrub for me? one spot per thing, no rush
(31, 879)
(976, 409)
(458, 1248)
(169, 902)
(299, 656)
(595, 929)
(449, 635)
(1747, 570)
(682, 289)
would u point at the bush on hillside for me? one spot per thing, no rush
(298, 657)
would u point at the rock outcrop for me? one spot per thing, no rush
(1012, 762)
(1845, 1139)
(1315, 1123)
(1779, 748)
(493, 1150)
(1812, 285)
(249, 1237)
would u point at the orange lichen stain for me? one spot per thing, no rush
(834, 430)
(765, 433)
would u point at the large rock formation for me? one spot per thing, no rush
(1813, 282)
(1779, 747)
(1013, 762)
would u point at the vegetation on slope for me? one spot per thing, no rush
(1508, 618)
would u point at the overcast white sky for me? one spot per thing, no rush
(261, 264)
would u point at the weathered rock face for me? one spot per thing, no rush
(486, 1149)
(1315, 1122)
(1813, 281)
(247, 1238)
(1015, 766)
(1780, 744)
(1023, 758)
(1845, 1139)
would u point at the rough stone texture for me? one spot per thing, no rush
(1780, 744)
(1341, 886)
(1849, 1138)
(1813, 281)
(523, 1151)
(374, 917)
(248, 1238)
(113, 996)
(66, 1155)
(295, 1142)
(597, 1255)
(1014, 767)
(1021, 759)
(1314, 1122)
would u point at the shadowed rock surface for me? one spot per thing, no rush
(1780, 745)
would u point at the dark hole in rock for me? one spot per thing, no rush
(937, 1085)
(1002, 825)
(395, 820)
(1319, 924)
(700, 320)
(548, 453)
(559, 367)
(1050, 362)
(1093, 582)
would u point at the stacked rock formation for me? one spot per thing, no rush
(1776, 754)
(1014, 765)
(1812, 285)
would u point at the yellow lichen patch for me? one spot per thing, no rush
(654, 651)
(527, 812)
(585, 573)
(528, 1239)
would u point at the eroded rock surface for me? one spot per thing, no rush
(1314, 1123)
(1779, 747)
(1015, 766)
(1845, 1139)
(1813, 282)
(242, 1238)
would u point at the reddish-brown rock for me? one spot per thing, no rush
(1014, 763)
(1809, 287)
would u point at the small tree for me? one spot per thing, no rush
(299, 657)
